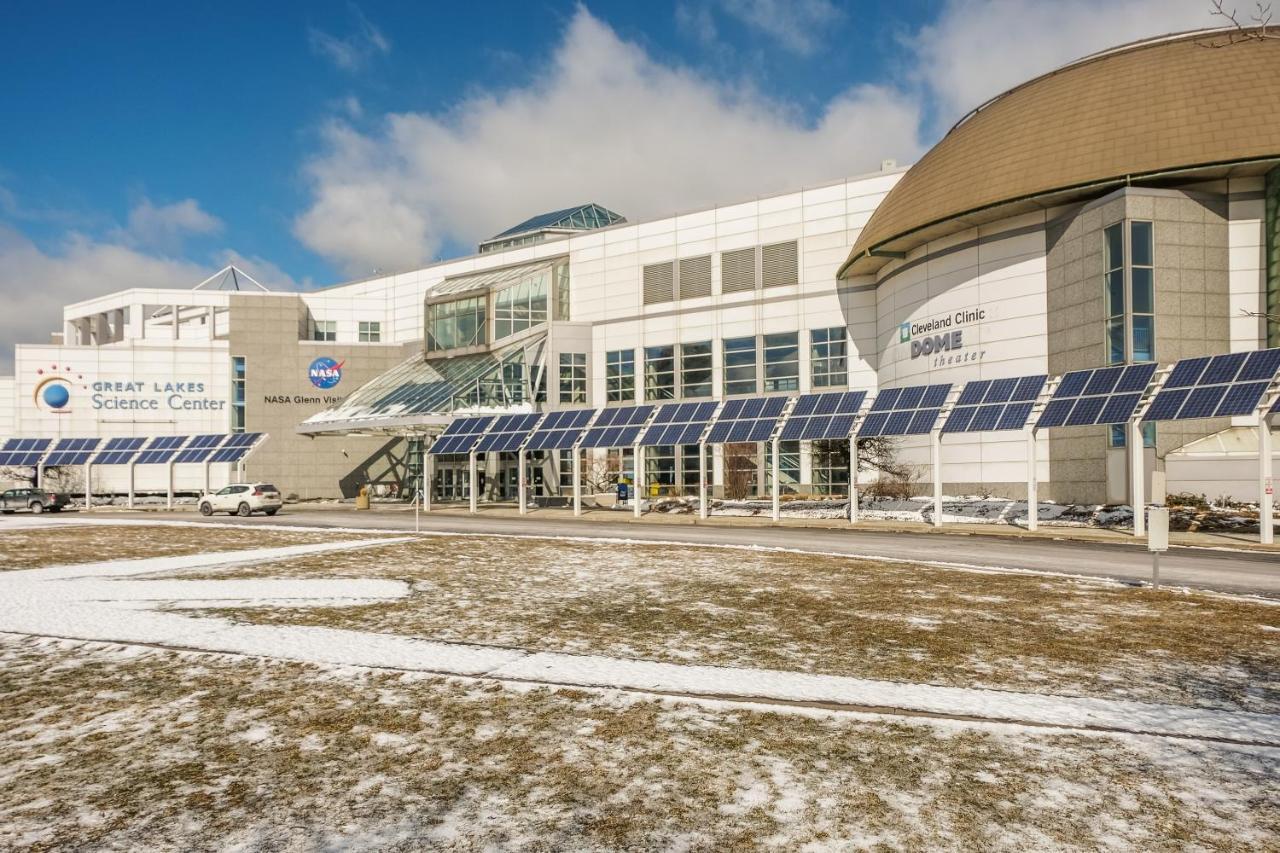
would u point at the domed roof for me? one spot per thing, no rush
(1201, 104)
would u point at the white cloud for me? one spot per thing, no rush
(352, 52)
(605, 123)
(167, 226)
(979, 48)
(796, 25)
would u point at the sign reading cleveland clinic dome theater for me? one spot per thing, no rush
(942, 338)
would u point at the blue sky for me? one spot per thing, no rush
(150, 143)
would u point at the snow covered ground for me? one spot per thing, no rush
(291, 697)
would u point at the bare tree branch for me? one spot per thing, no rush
(1259, 30)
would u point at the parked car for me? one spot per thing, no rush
(243, 499)
(36, 500)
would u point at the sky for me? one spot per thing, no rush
(150, 144)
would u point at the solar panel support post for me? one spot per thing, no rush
(1033, 482)
(473, 482)
(577, 481)
(638, 459)
(88, 485)
(207, 465)
(1137, 477)
(131, 472)
(169, 502)
(703, 509)
(40, 474)
(775, 492)
(935, 446)
(1266, 498)
(853, 479)
(427, 484)
(521, 483)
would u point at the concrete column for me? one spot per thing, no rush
(211, 322)
(1266, 485)
(1033, 482)
(137, 321)
(117, 325)
(935, 447)
(175, 333)
(1137, 479)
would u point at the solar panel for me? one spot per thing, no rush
(905, 411)
(24, 452)
(988, 405)
(559, 430)
(461, 435)
(200, 448)
(1215, 386)
(678, 423)
(829, 415)
(507, 432)
(119, 451)
(1102, 395)
(161, 449)
(752, 419)
(242, 439)
(617, 427)
(72, 451)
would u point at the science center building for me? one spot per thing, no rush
(1120, 212)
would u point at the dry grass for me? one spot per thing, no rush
(813, 613)
(29, 548)
(108, 748)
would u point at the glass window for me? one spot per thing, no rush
(695, 369)
(1271, 214)
(562, 291)
(660, 373)
(830, 464)
(739, 366)
(573, 377)
(782, 362)
(620, 376)
(521, 306)
(370, 331)
(460, 323)
(237, 393)
(788, 464)
(324, 330)
(1142, 288)
(1113, 264)
(660, 466)
(1119, 431)
(828, 357)
(689, 467)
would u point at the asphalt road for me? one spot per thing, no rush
(1229, 571)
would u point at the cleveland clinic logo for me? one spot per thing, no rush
(53, 391)
(324, 372)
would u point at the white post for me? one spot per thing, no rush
(1137, 478)
(853, 479)
(427, 486)
(39, 474)
(206, 476)
(935, 442)
(88, 486)
(473, 481)
(174, 308)
(577, 481)
(520, 491)
(703, 509)
(637, 459)
(169, 503)
(1033, 483)
(131, 472)
(417, 518)
(1266, 498)
(775, 494)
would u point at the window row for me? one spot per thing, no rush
(368, 331)
(741, 270)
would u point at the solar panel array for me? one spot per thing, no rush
(1103, 395)
(905, 411)
(618, 427)
(72, 451)
(161, 449)
(752, 419)
(1215, 386)
(119, 451)
(236, 447)
(559, 430)
(995, 404)
(507, 433)
(25, 452)
(823, 416)
(678, 423)
(461, 435)
(200, 448)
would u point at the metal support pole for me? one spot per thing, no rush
(703, 509)
(206, 476)
(577, 481)
(473, 481)
(88, 486)
(169, 503)
(1137, 478)
(775, 493)
(1266, 495)
(428, 484)
(935, 446)
(131, 472)
(39, 475)
(638, 459)
(417, 519)
(520, 489)
(853, 479)
(1033, 483)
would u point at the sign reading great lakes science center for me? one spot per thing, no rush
(942, 338)
(131, 395)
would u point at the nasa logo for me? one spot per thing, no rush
(324, 372)
(53, 392)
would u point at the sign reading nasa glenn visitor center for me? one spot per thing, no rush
(942, 338)
(324, 373)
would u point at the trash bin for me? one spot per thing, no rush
(653, 490)
(362, 499)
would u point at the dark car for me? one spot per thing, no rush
(36, 500)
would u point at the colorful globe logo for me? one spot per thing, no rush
(56, 396)
(324, 372)
(53, 391)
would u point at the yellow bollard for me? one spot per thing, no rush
(362, 499)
